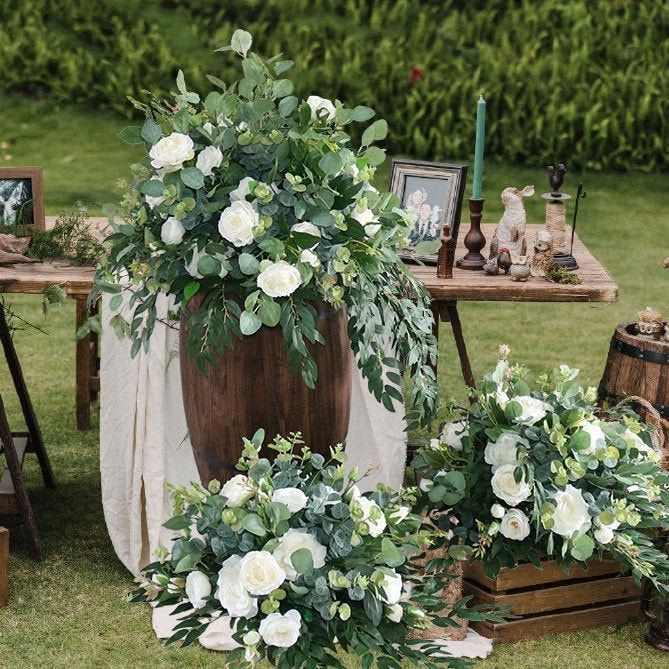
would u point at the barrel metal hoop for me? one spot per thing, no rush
(662, 409)
(639, 353)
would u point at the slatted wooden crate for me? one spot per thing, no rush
(548, 601)
(4, 566)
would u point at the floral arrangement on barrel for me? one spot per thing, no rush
(303, 564)
(254, 202)
(529, 473)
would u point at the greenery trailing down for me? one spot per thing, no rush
(583, 81)
(251, 208)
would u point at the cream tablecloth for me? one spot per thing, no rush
(144, 442)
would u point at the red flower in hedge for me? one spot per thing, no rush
(416, 75)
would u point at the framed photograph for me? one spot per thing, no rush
(432, 193)
(21, 197)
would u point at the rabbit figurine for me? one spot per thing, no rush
(510, 230)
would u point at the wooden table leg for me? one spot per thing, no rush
(36, 443)
(451, 313)
(83, 371)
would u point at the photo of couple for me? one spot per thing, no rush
(423, 197)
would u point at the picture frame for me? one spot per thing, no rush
(21, 197)
(435, 192)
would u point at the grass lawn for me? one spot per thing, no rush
(68, 611)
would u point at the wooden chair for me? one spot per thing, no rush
(14, 498)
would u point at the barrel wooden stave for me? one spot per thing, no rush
(637, 366)
(253, 387)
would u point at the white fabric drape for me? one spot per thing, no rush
(144, 443)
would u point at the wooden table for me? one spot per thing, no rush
(77, 283)
(597, 286)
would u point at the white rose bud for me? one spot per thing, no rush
(238, 490)
(321, 107)
(310, 258)
(231, 593)
(171, 152)
(251, 638)
(515, 525)
(604, 534)
(260, 573)
(497, 511)
(242, 190)
(571, 512)
(237, 221)
(453, 433)
(198, 588)
(279, 630)
(533, 410)
(171, 231)
(293, 498)
(306, 228)
(505, 487)
(392, 588)
(279, 279)
(208, 160)
(293, 540)
(504, 450)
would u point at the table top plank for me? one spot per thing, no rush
(597, 284)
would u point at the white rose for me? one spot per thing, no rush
(394, 613)
(242, 190)
(604, 534)
(238, 490)
(171, 152)
(372, 229)
(503, 451)
(505, 487)
(596, 434)
(251, 638)
(571, 512)
(364, 217)
(310, 258)
(533, 410)
(198, 588)
(293, 540)
(279, 279)
(171, 231)
(392, 588)
(281, 631)
(453, 433)
(260, 573)
(237, 222)
(293, 498)
(372, 515)
(497, 511)
(231, 593)
(306, 228)
(208, 160)
(515, 525)
(321, 107)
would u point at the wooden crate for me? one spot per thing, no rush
(4, 566)
(548, 601)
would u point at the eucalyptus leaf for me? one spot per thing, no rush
(249, 322)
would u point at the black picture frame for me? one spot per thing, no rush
(444, 200)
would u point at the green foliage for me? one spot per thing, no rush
(584, 80)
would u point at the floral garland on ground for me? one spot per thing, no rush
(527, 473)
(304, 564)
(254, 202)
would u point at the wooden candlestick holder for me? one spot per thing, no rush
(474, 239)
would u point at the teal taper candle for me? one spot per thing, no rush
(478, 149)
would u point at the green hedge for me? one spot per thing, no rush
(584, 81)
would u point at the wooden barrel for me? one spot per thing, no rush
(637, 366)
(253, 387)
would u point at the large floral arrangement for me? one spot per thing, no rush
(531, 473)
(255, 203)
(300, 561)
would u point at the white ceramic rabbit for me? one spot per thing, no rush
(511, 227)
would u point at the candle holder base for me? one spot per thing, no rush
(474, 239)
(565, 260)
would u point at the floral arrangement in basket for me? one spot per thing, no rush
(256, 203)
(527, 473)
(301, 561)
